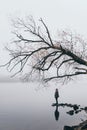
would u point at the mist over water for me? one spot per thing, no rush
(25, 106)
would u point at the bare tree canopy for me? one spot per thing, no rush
(34, 51)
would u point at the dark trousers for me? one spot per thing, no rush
(57, 100)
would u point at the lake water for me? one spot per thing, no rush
(27, 106)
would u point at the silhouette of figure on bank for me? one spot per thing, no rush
(56, 113)
(56, 95)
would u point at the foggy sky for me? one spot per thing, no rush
(57, 14)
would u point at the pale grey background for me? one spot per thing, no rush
(57, 14)
(24, 106)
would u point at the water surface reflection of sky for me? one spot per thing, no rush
(26, 106)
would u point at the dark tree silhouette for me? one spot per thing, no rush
(35, 48)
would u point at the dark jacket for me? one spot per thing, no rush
(56, 94)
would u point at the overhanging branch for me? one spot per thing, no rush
(68, 55)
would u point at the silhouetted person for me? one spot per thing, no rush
(56, 113)
(56, 95)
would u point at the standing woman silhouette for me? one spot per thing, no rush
(56, 95)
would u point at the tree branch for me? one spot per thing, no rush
(63, 76)
(47, 32)
(67, 56)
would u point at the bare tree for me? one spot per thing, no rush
(35, 48)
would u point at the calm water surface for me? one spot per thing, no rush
(25, 106)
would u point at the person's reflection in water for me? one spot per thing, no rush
(56, 113)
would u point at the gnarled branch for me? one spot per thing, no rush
(34, 46)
